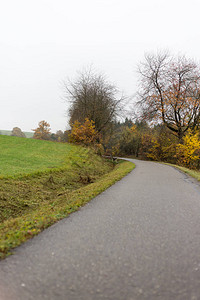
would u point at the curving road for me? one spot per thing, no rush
(138, 240)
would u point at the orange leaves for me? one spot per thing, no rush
(169, 91)
(84, 133)
(133, 128)
(43, 131)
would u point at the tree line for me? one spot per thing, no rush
(166, 112)
(42, 132)
(166, 108)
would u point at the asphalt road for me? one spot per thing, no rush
(140, 239)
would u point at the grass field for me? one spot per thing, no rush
(42, 182)
(23, 156)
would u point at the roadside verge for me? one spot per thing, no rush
(15, 231)
(193, 173)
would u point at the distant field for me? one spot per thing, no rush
(8, 132)
(24, 156)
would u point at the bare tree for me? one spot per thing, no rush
(170, 92)
(91, 96)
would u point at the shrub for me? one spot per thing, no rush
(84, 133)
(188, 153)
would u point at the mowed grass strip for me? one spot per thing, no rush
(30, 202)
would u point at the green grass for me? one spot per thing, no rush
(45, 184)
(24, 156)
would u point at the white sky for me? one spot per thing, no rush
(43, 42)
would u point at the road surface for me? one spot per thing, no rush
(138, 240)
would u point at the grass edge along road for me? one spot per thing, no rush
(15, 231)
(193, 173)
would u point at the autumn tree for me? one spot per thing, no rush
(84, 133)
(170, 92)
(42, 132)
(188, 153)
(92, 96)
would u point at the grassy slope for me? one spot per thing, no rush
(42, 182)
(20, 155)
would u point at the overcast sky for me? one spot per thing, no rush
(43, 42)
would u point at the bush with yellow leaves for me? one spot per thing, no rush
(188, 153)
(84, 133)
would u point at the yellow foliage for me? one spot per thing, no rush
(115, 150)
(84, 133)
(159, 148)
(99, 149)
(188, 153)
(133, 128)
(154, 149)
